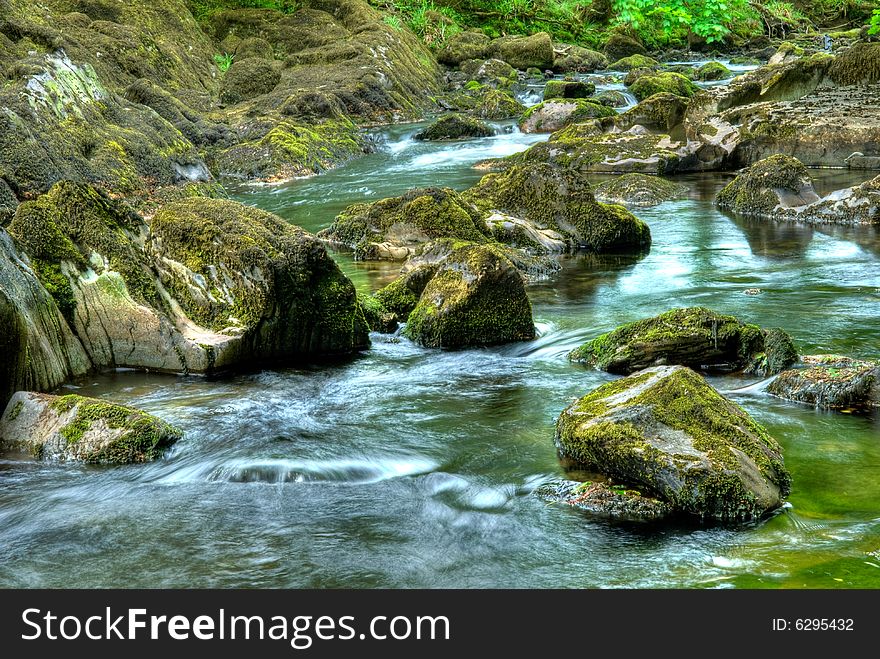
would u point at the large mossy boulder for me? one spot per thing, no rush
(777, 181)
(576, 59)
(559, 204)
(668, 81)
(455, 127)
(568, 89)
(621, 45)
(525, 52)
(249, 78)
(463, 46)
(638, 190)
(831, 382)
(712, 71)
(78, 429)
(666, 433)
(695, 337)
(395, 228)
(486, 102)
(492, 72)
(555, 114)
(661, 112)
(476, 297)
(635, 63)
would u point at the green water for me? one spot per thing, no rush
(407, 467)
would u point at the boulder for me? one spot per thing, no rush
(455, 127)
(781, 188)
(605, 501)
(378, 317)
(568, 89)
(486, 102)
(673, 83)
(464, 46)
(661, 112)
(402, 295)
(550, 116)
(476, 297)
(612, 98)
(247, 79)
(695, 337)
(666, 433)
(831, 382)
(634, 62)
(638, 190)
(524, 52)
(576, 59)
(713, 71)
(396, 228)
(78, 429)
(254, 47)
(492, 72)
(620, 45)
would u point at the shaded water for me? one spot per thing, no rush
(409, 467)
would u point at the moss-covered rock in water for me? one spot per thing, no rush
(662, 112)
(568, 89)
(402, 295)
(524, 52)
(668, 434)
(492, 72)
(638, 190)
(550, 116)
(559, 204)
(487, 102)
(476, 297)
(455, 127)
(673, 83)
(831, 382)
(576, 59)
(620, 46)
(607, 501)
(857, 65)
(79, 429)
(612, 98)
(247, 79)
(395, 228)
(777, 181)
(634, 62)
(236, 269)
(713, 71)
(694, 337)
(464, 46)
(379, 319)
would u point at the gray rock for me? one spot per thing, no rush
(831, 382)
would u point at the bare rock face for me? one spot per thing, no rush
(78, 429)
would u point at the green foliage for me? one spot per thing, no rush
(874, 22)
(223, 61)
(661, 21)
(393, 21)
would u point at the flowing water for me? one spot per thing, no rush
(408, 467)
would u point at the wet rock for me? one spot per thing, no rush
(661, 112)
(247, 79)
(668, 434)
(632, 62)
(486, 102)
(476, 297)
(612, 98)
(464, 46)
(455, 127)
(638, 190)
(378, 317)
(713, 71)
(695, 337)
(602, 500)
(576, 59)
(831, 382)
(524, 52)
(568, 89)
(668, 82)
(492, 72)
(619, 46)
(552, 115)
(78, 429)
(402, 295)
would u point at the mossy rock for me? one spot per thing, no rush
(493, 72)
(240, 270)
(395, 228)
(619, 46)
(568, 89)
(524, 52)
(247, 79)
(666, 433)
(254, 47)
(634, 74)
(555, 114)
(857, 65)
(487, 102)
(638, 190)
(662, 112)
(402, 295)
(634, 62)
(695, 337)
(673, 83)
(576, 59)
(464, 46)
(831, 382)
(560, 200)
(79, 429)
(769, 185)
(612, 98)
(603, 500)
(455, 127)
(378, 317)
(713, 71)
(476, 297)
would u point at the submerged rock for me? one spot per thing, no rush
(550, 116)
(694, 337)
(638, 190)
(831, 382)
(455, 127)
(603, 500)
(668, 434)
(78, 429)
(781, 188)
(476, 297)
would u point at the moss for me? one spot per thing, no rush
(713, 71)
(580, 110)
(857, 65)
(57, 285)
(568, 89)
(524, 52)
(377, 316)
(639, 190)
(487, 102)
(247, 79)
(673, 83)
(145, 437)
(636, 61)
(464, 46)
(696, 337)
(619, 45)
(402, 295)
(15, 411)
(453, 127)
(754, 191)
